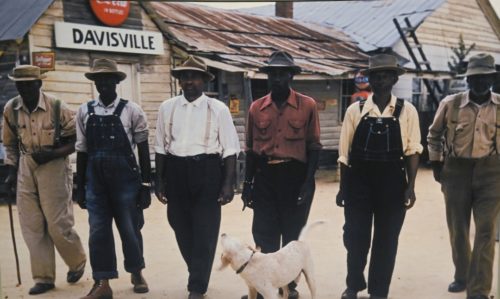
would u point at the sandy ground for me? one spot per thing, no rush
(423, 267)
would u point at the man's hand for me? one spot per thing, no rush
(80, 196)
(410, 197)
(160, 192)
(340, 200)
(43, 156)
(306, 192)
(11, 182)
(144, 197)
(246, 195)
(226, 194)
(437, 168)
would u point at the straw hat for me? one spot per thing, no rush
(104, 66)
(26, 73)
(281, 59)
(193, 63)
(480, 64)
(384, 62)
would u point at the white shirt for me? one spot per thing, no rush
(189, 122)
(133, 119)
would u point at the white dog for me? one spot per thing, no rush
(266, 273)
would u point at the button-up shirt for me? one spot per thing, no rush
(133, 120)
(408, 122)
(283, 132)
(183, 133)
(475, 130)
(36, 128)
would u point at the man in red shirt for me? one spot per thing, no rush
(282, 156)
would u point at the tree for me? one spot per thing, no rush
(458, 64)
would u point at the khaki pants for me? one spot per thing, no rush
(472, 186)
(46, 216)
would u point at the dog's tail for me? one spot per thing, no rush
(308, 227)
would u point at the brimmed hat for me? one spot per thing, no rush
(26, 73)
(104, 66)
(193, 63)
(384, 62)
(480, 64)
(281, 59)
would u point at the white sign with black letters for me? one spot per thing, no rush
(87, 37)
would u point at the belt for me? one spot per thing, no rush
(199, 157)
(275, 160)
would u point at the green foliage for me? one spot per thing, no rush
(458, 64)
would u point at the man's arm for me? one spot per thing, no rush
(160, 183)
(81, 170)
(145, 164)
(227, 191)
(436, 140)
(411, 172)
(307, 191)
(67, 148)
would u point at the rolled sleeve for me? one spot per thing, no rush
(9, 141)
(68, 127)
(413, 143)
(160, 139)
(313, 136)
(228, 137)
(140, 128)
(435, 137)
(81, 139)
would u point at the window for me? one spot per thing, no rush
(346, 90)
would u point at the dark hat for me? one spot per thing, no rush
(384, 62)
(193, 63)
(480, 64)
(104, 66)
(26, 73)
(281, 59)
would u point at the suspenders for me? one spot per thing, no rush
(397, 110)
(208, 124)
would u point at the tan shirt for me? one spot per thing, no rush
(408, 122)
(475, 131)
(36, 129)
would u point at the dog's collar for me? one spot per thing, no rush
(240, 269)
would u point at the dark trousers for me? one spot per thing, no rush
(374, 199)
(112, 192)
(471, 188)
(277, 220)
(192, 190)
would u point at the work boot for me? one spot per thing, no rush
(40, 288)
(140, 284)
(195, 295)
(349, 294)
(74, 276)
(100, 290)
(457, 286)
(377, 297)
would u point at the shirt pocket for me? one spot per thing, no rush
(463, 135)
(295, 129)
(262, 129)
(47, 137)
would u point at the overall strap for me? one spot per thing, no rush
(399, 107)
(57, 122)
(170, 122)
(453, 121)
(208, 124)
(119, 109)
(90, 108)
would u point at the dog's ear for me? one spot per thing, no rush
(225, 261)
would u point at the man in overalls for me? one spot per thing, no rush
(196, 148)
(110, 184)
(39, 135)
(378, 154)
(464, 145)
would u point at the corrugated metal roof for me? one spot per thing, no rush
(247, 41)
(17, 16)
(369, 23)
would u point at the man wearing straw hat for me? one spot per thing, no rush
(378, 154)
(196, 148)
(464, 147)
(110, 183)
(39, 135)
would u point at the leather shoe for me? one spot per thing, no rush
(478, 297)
(100, 290)
(74, 276)
(259, 296)
(40, 288)
(377, 297)
(195, 295)
(457, 286)
(349, 294)
(140, 284)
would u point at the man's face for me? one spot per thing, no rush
(29, 90)
(382, 81)
(480, 85)
(106, 84)
(192, 84)
(279, 79)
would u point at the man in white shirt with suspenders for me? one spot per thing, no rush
(196, 148)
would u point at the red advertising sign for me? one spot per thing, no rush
(111, 13)
(44, 60)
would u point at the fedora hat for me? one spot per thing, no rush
(193, 63)
(281, 59)
(383, 62)
(104, 66)
(26, 72)
(480, 64)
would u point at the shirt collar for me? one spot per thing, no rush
(291, 100)
(466, 100)
(41, 103)
(98, 102)
(369, 104)
(195, 103)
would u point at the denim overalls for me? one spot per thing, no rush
(113, 184)
(375, 185)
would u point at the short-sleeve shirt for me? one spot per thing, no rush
(287, 132)
(35, 129)
(133, 119)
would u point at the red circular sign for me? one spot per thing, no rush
(112, 13)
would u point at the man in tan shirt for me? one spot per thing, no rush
(463, 150)
(37, 154)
